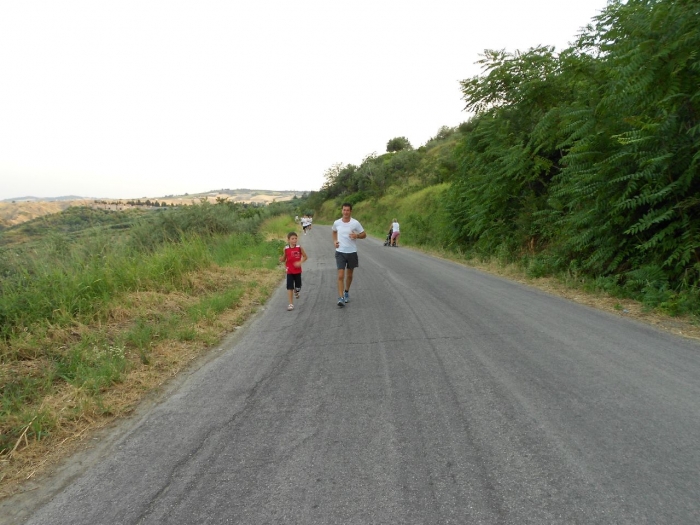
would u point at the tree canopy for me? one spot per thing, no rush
(591, 153)
(398, 144)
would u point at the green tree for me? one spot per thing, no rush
(631, 186)
(505, 162)
(398, 144)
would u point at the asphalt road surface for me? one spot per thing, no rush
(438, 395)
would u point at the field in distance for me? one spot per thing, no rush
(17, 211)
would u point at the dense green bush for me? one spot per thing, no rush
(588, 155)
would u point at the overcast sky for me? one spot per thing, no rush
(148, 98)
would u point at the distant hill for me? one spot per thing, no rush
(46, 199)
(19, 210)
(239, 195)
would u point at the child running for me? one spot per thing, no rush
(293, 256)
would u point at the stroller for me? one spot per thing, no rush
(387, 242)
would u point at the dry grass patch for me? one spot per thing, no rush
(76, 413)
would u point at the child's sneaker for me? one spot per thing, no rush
(290, 307)
(296, 293)
(346, 297)
(341, 302)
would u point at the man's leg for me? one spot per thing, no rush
(348, 280)
(341, 282)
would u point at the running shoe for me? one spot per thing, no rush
(346, 297)
(296, 293)
(341, 301)
(290, 307)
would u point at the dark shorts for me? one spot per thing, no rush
(346, 260)
(293, 281)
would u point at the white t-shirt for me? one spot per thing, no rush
(395, 227)
(344, 229)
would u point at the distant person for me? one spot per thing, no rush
(346, 231)
(293, 257)
(305, 223)
(387, 241)
(395, 233)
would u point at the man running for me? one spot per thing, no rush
(346, 231)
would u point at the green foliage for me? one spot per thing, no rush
(590, 154)
(211, 307)
(203, 219)
(398, 144)
(92, 368)
(630, 185)
(72, 223)
(426, 221)
(422, 215)
(411, 169)
(511, 151)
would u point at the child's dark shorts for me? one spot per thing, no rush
(346, 260)
(293, 281)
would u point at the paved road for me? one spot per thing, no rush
(438, 395)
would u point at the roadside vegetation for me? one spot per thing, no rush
(99, 308)
(581, 165)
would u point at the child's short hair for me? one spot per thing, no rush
(290, 234)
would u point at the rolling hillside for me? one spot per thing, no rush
(18, 211)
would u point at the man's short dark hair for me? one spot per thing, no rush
(346, 204)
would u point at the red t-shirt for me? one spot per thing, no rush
(293, 255)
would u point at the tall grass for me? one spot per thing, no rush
(279, 226)
(43, 288)
(58, 293)
(58, 282)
